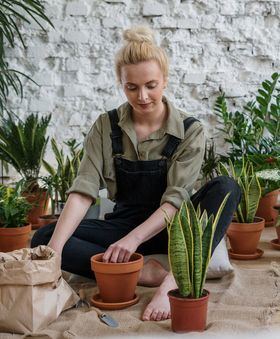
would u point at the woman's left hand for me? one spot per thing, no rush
(121, 250)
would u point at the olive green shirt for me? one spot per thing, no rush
(97, 168)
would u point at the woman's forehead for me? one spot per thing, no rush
(145, 71)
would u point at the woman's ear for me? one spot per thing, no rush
(165, 82)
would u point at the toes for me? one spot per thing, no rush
(165, 315)
(147, 314)
(159, 316)
(154, 315)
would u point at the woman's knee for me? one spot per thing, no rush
(228, 185)
(42, 235)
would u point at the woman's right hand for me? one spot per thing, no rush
(57, 248)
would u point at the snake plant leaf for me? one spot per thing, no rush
(207, 240)
(178, 257)
(223, 170)
(197, 249)
(253, 197)
(241, 208)
(188, 234)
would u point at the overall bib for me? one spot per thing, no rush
(140, 183)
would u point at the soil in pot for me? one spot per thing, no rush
(188, 314)
(117, 281)
(244, 237)
(14, 238)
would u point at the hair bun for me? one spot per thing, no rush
(139, 34)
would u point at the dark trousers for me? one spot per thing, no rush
(94, 236)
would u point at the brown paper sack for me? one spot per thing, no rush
(32, 290)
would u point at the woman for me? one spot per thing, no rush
(148, 154)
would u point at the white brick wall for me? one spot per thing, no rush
(212, 44)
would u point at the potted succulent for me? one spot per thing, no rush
(14, 228)
(270, 184)
(245, 230)
(191, 236)
(22, 145)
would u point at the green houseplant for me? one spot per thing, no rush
(63, 175)
(245, 230)
(12, 14)
(254, 131)
(14, 228)
(22, 145)
(190, 234)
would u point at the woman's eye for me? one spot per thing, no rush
(131, 88)
(152, 86)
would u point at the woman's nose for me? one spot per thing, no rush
(142, 94)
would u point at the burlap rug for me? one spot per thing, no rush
(246, 301)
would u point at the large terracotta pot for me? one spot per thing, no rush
(187, 314)
(14, 238)
(40, 206)
(266, 208)
(244, 237)
(117, 281)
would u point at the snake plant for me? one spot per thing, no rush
(250, 189)
(191, 235)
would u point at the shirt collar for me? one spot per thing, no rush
(173, 126)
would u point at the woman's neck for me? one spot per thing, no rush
(155, 118)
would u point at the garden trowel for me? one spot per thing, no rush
(105, 318)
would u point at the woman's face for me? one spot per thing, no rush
(143, 85)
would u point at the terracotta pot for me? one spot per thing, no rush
(40, 206)
(266, 208)
(14, 238)
(117, 281)
(244, 237)
(188, 314)
(47, 219)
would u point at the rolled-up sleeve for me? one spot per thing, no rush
(90, 176)
(185, 166)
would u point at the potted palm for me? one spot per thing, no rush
(22, 145)
(62, 176)
(191, 236)
(245, 230)
(14, 228)
(270, 184)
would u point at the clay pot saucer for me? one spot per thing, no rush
(275, 244)
(97, 302)
(238, 256)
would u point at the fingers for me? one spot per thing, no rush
(116, 254)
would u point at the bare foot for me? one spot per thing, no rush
(152, 274)
(159, 307)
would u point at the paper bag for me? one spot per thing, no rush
(32, 290)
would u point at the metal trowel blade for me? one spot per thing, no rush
(108, 320)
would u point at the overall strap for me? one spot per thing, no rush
(173, 141)
(116, 134)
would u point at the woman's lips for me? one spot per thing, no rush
(145, 105)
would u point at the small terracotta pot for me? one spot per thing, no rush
(40, 206)
(188, 314)
(266, 208)
(244, 237)
(47, 219)
(117, 281)
(14, 238)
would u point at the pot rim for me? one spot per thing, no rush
(139, 259)
(169, 293)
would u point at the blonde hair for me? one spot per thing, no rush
(140, 45)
